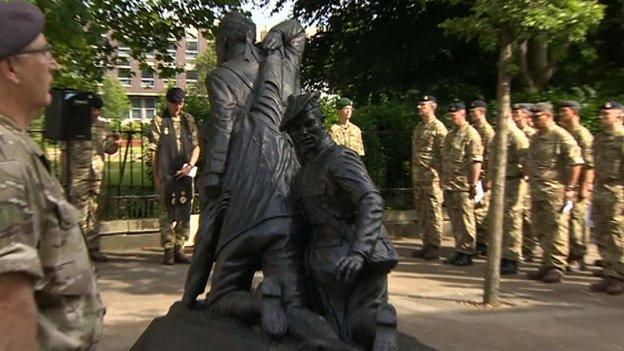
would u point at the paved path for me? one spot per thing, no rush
(438, 304)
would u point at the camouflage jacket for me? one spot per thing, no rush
(349, 136)
(87, 156)
(40, 237)
(517, 150)
(528, 131)
(551, 153)
(427, 144)
(608, 147)
(462, 147)
(486, 132)
(584, 139)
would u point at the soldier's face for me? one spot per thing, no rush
(175, 108)
(95, 113)
(542, 119)
(345, 113)
(307, 132)
(31, 71)
(566, 114)
(425, 108)
(476, 114)
(609, 118)
(458, 117)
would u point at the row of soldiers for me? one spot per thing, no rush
(551, 174)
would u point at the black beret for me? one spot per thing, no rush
(20, 24)
(612, 105)
(522, 106)
(456, 106)
(175, 95)
(96, 102)
(297, 105)
(428, 98)
(542, 107)
(478, 103)
(570, 104)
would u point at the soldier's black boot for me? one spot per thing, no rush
(452, 259)
(274, 321)
(508, 266)
(179, 256)
(481, 249)
(385, 335)
(169, 259)
(528, 255)
(463, 260)
(97, 256)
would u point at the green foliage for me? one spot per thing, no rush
(85, 34)
(116, 102)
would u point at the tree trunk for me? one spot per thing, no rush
(495, 219)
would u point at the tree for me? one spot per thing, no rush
(85, 34)
(116, 102)
(505, 22)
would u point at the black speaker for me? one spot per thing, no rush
(69, 115)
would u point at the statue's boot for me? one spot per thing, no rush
(385, 333)
(240, 305)
(274, 321)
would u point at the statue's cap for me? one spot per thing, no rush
(297, 105)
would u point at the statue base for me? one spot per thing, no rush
(183, 329)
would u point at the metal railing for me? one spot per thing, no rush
(129, 193)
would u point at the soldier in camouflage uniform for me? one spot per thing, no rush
(87, 174)
(427, 144)
(554, 164)
(49, 296)
(569, 117)
(346, 133)
(478, 116)
(461, 166)
(608, 198)
(174, 146)
(515, 193)
(521, 114)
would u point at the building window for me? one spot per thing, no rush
(136, 112)
(192, 49)
(150, 107)
(123, 51)
(125, 76)
(123, 62)
(172, 49)
(147, 78)
(192, 76)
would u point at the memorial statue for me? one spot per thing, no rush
(347, 251)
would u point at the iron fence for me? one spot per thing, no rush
(128, 191)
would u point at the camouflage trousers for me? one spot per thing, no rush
(608, 204)
(86, 196)
(515, 194)
(579, 233)
(428, 206)
(481, 215)
(460, 208)
(173, 233)
(551, 226)
(529, 239)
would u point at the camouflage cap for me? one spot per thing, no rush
(175, 95)
(478, 103)
(612, 105)
(428, 98)
(20, 23)
(522, 106)
(542, 107)
(297, 105)
(456, 106)
(570, 104)
(343, 102)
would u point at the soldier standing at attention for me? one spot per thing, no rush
(174, 143)
(427, 144)
(49, 298)
(608, 198)
(461, 167)
(554, 165)
(521, 114)
(569, 117)
(478, 116)
(346, 133)
(87, 174)
(515, 194)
